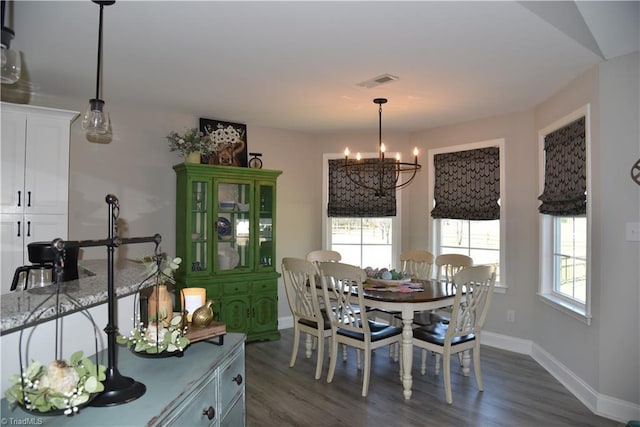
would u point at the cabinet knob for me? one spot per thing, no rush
(238, 379)
(210, 412)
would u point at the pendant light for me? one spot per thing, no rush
(381, 175)
(11, 61)
(96, 121)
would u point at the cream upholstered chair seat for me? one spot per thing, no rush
(299, 277)
(474, 290)
(342, 285)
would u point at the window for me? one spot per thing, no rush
(366, 242)
(467, 184)
(478, 239)
(564, 215)
(570, 258)
(363, 237)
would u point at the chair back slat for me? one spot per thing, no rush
(474, 291)
(448, 265)
(342, 284)
(299, 277)
(417, 263)
(322, 255)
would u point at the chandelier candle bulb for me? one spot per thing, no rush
(415, 153)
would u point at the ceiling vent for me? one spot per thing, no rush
(377, 81)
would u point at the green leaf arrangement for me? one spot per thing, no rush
(62, 385)
(152, 340)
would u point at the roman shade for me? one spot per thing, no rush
(467, 184)
(346, 199)
(565, 177)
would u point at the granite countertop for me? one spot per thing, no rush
(18, 309)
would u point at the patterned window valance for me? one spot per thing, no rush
(565, 177)
(467, 184)
(346, 199)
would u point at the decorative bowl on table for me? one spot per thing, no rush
(385, 278)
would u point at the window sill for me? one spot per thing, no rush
(575, 311)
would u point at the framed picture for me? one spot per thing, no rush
(229, 142)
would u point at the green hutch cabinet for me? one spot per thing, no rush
(225, 235)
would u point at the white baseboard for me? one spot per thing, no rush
(599, 404)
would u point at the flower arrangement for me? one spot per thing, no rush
(60, 386)
(191, 141)
(223, 137)
(156, 338)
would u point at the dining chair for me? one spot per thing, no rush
(321, 255)
(343, 285)
(299, 277)
(447, 265)
(417, 263)
(474, 290)
(325, 255)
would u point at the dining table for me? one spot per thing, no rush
(408, 299)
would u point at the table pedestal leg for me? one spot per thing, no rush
(407, 352)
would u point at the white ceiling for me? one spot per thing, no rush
(296, 65)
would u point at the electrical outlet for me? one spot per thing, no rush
(633, 232)
(511, 316)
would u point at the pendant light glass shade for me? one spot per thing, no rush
(11, 65)
(11, 61)
(96, 120)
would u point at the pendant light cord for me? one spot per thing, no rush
(99, 53)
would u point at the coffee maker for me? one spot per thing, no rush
(42, 271)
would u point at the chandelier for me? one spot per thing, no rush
(380, 175)
(96, 122)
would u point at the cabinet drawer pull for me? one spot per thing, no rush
(19, 198)
(28, 228)
(29, 199)
(210, 413)
(238, 379)
(19, 223)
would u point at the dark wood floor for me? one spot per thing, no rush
(517, 393)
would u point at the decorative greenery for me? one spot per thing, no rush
(60, 386)
(192, 140)
(167, 267)
(156, 338)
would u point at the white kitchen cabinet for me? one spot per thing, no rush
(34, 180)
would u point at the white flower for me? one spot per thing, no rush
(62, 378)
